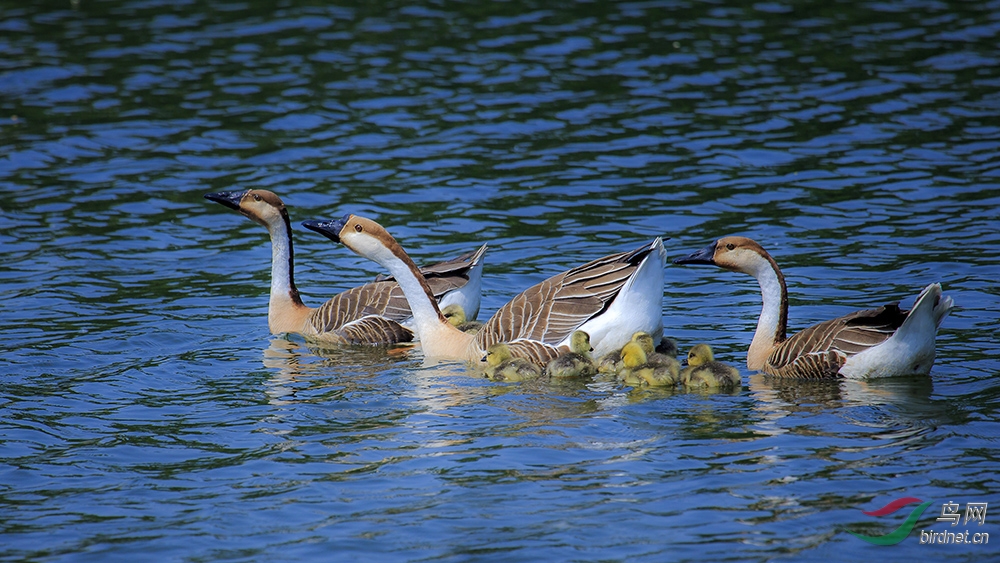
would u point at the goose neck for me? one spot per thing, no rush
(773, 321)
(283, 290)
(437, 336)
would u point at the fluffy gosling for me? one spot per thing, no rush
(703, 372)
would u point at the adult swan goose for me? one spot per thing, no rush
(374, 313)
(881, 342)
(610, 298)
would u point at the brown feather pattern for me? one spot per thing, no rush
(821, 350)
(374, 330)
(548, 312)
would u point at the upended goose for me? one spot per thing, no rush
(610, 298)
(881, 342)
(374, 313)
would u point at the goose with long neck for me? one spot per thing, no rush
(374, 313)
(610, 298)
(881, 342)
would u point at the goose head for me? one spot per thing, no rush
(261, 206)
(737, 254)
(364, 236)
(579, 342)
(700, 354)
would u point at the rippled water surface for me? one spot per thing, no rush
(146, 412)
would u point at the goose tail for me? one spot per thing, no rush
(932, 305)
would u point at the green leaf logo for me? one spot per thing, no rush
(900, 533)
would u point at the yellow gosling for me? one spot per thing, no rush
(575, 363)
(654, 358)
(704, 372)
(456, 317)
(502, 366)
(636, 371)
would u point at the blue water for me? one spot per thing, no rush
(147, 413)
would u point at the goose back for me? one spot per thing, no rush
(548, 312)
(822, 349)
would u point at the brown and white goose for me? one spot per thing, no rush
(881, 342)
(374, 313)
(610, 298)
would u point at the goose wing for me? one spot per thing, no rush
(374, 330)
(384, 299)
(550, 311)
(534, 351)
(821, 350)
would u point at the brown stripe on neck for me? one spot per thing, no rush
(782, 328)
(398, 252)
(293, 293)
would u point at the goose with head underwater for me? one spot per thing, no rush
(374, 313)
(609, 298)
(881, 342)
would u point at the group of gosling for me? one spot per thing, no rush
(599, 317)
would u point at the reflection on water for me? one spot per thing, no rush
(146, 409)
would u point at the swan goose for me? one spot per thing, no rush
(374, 313)
(881, 342)
(609, 298)
(703, 371)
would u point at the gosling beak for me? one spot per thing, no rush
(704, 256)
(483, 360)
(229, 199)
(329, 229)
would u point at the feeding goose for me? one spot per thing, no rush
(881, 342)
(374, 313)
(609, 298)
(703, 371)
(576, 362)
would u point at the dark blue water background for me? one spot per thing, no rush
(145, 411)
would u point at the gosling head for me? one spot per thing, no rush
(700, 354)
(455, 314)
(497, 354)
(262, 206)
(579, 342)
(633, 355)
